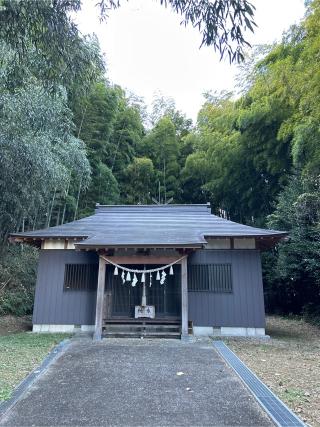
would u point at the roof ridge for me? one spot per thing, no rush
(155, 209)
(207, 205)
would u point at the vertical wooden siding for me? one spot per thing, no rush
(244, 307)
(52, 305)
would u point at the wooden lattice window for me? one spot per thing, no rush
(210, 278)
(80, 277)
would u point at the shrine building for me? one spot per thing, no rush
(150, 271)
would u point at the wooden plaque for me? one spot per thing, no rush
(144, 311)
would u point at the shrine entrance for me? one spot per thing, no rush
(147, 291)
(122, 299)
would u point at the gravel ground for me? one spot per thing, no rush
(289, 363)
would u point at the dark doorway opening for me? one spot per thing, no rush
(121, 298)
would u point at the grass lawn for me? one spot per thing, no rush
(289, 363)
(20, 353)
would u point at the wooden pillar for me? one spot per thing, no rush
(184, 298)
(100, 296)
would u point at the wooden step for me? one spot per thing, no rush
(141, 327)
(141, 331)
(142, 321)
(119, 334)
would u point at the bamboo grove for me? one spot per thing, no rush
(69, 138)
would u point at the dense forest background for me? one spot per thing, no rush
(69, 139)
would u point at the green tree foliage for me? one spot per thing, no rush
(61, 55)
(194, 177)
(111, 129)
(38, 155)
(103, 189)
(94, 117)
(257, 158)
(140, 181)
(44, 63)
(17, 278)
(126, 137)
(251, 161)
(166, 107)
(62, 123)
(292, 276)
(70, 139)
(292, 271)
(161, 146)
(164, 111)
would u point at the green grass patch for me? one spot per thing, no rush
(293, 395)
(20, 354)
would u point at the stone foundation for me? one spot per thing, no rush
(62, 328)
(224, 331)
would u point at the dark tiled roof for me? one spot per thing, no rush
(162, 225)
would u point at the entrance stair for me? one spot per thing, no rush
(141, 328)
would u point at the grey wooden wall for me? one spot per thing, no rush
(244, 307)
(52, 305)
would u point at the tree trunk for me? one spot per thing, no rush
(77, 204)
(51, 208)
(65, 203)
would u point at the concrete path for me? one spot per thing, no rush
(135, 383)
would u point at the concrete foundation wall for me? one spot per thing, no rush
(207, 331)
(62, 328)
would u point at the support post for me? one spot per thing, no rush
(184, 299)
(99, 304)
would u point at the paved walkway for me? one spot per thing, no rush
(135, 383)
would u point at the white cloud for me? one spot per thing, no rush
(147, 50)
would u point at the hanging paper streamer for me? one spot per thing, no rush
(126, 276)
(163, 277)
(134, 280)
